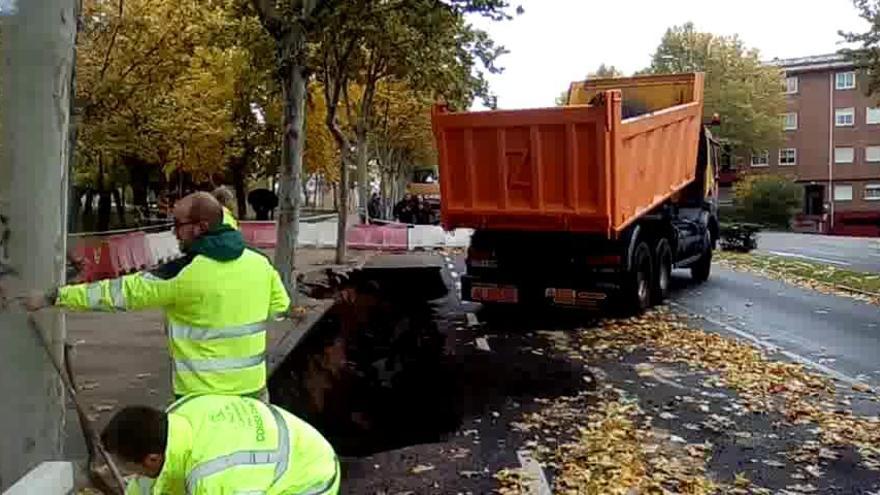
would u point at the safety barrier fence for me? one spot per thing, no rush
(99, 256)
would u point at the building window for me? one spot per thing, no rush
(787, 157)
(872, 115)
(844, 155)
(872, 192)
(791, 85)
(872, 153)
(844, 117)
(790, 121)
(761, 159)
(845, 80)
(843, 192)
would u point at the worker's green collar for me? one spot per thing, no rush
(222, 243)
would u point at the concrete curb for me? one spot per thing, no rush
(48, 478)
(301, 328)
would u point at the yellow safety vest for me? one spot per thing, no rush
(229, 218)
(223, 444)
(217, 300)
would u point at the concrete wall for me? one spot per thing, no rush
(37, 58)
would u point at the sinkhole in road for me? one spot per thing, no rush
(384, 370)
(374, 373)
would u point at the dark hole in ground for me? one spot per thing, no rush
(380, 371)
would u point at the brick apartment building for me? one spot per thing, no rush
(831, 146)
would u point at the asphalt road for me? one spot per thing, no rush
(854, 253)
(504, 371)
(836, 335)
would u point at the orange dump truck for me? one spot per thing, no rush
(592, 201)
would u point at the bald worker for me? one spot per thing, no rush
(217, 299)
(224, 197)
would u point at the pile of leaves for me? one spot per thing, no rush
(822, 278)
(613, 448)
(602, 442)
(765, 385)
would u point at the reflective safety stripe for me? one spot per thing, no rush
(150, 277)
(219, 364)
(179, 331)
(116, 294)
(322, 488)
(145, 484)
(93, 295)
(280, 457)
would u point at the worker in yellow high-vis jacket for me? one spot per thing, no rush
(224, 197)
(214, 444)
(217, 299)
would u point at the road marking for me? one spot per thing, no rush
(805, 257)
(773, 348)
(482, 344)
(472, 320)
(537, 482)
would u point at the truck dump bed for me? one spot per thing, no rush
(579, 167)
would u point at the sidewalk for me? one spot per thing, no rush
(122, 359)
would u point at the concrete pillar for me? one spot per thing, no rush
(37, 60)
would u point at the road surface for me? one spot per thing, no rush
(504, 372)
(853, 253)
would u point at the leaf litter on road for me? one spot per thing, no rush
(612, 449)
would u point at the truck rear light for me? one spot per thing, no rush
(606, 260)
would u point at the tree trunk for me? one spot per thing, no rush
(140, 183)
(36, 62)
(88, 215)
(293, 88)
(238, 177)
(104, 208)
(118, 195)
(363, 178)
(342, 211)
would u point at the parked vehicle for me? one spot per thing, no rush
(576, 205)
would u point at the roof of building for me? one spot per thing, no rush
(813, 62)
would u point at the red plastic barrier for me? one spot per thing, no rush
(94, 258)
(140, 255)
(259, 234)
(395, 238)
(385, 237)
(120, 254)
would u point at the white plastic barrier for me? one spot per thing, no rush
(459, 238)
(426, 237)
(326, 234)
(308, 234)
(163, 246)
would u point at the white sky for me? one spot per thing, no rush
(558, 41)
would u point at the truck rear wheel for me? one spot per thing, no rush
(637, 286)
(663, 271)
(701, 269)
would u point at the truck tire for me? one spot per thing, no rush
(637, 284)
(662, 271)
(701, 269)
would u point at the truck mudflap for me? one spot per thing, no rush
(555, 294)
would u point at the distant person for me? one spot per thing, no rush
(375, 206)
(263, 201)
(224, 196)
(422, 211)
(217, 299)
(213, 445)
(403, 210)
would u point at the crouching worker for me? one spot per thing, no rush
(214, 444)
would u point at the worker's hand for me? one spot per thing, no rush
(35, 301)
